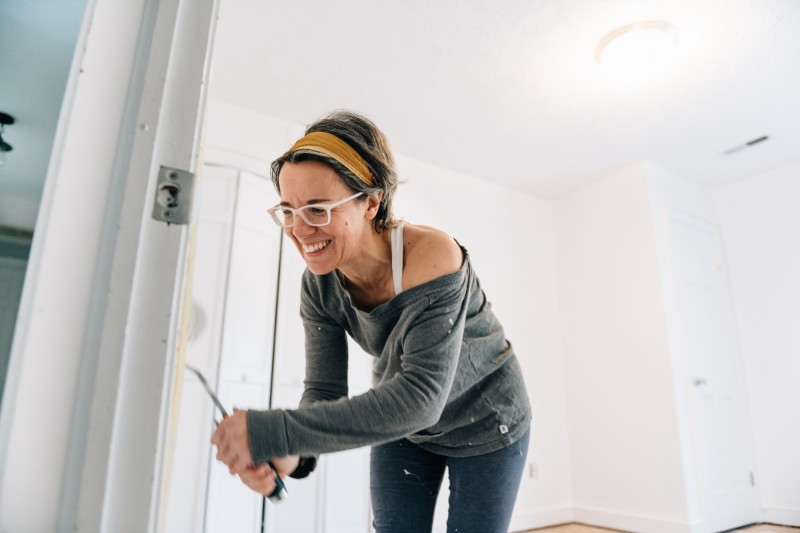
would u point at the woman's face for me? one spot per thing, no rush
(325, 248)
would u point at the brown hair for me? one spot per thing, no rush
(361, 134)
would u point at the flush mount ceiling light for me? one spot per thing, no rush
(5, 120)
(638, 45)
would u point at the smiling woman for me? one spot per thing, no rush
(447, 392)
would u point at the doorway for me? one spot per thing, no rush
(709, 348)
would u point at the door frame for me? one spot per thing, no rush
(698, 493)
(85, 414)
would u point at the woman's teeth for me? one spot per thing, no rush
(316, 247)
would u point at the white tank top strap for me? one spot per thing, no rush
(397, 258)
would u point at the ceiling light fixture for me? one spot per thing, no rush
(5, 120)
(638, 45)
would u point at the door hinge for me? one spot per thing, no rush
(174, 195)
(752, 479)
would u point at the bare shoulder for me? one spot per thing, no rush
(429, 254)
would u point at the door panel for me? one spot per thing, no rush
(232, 506)
(708, 344)
(188, 482)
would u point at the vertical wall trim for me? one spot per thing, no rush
(75, 459)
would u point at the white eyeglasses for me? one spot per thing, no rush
(312, 214)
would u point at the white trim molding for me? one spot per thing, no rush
(632, 522)
(538, 518)
(782, 515)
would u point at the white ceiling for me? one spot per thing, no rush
(509, 90)
(505, 90)
(37, 38)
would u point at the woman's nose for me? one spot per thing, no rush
(301, 227)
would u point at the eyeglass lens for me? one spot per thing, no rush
(312, 215)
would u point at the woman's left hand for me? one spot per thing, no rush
(233, 442)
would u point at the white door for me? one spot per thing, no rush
(335, 497)
(708, 343)
(246, 353)
(230, 341)
(188, 480)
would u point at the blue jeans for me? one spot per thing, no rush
(405, 481)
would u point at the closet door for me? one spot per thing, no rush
(707, 341)
(192, 456)
(230, 342)
(246, 354)
(301, 512)
(335, 497)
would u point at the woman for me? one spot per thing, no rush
(448, 390)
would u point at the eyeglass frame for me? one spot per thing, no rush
(300, 211)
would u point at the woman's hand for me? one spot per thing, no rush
(262, 478)
(285, 465)
(233, 443)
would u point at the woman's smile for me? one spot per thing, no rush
(316, 247)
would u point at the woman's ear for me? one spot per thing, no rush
(373, 203)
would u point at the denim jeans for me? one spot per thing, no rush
(405, 481)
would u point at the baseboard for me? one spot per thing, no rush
(523, 521)
(629, 522)
(782, 515)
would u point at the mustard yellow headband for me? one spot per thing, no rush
(333, 146)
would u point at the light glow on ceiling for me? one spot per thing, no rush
(644, 45)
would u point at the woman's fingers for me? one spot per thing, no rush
(232, 442)
(260, 479)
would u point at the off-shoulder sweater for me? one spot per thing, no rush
(444, 375)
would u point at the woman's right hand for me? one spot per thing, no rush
(261, 478)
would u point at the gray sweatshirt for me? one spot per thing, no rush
(444, 375)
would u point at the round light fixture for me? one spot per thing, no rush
(638, 45)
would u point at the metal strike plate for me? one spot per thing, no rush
(174, 195)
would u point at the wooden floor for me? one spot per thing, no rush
(580, 528)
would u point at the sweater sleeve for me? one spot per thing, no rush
(326, 353)
(410, 397)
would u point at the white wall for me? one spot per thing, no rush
(510, 238)
(627, 469)
(626, 461)
(714, 502)
(760, 220)
(668, 191)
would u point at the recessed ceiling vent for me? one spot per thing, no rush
(748, 144)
